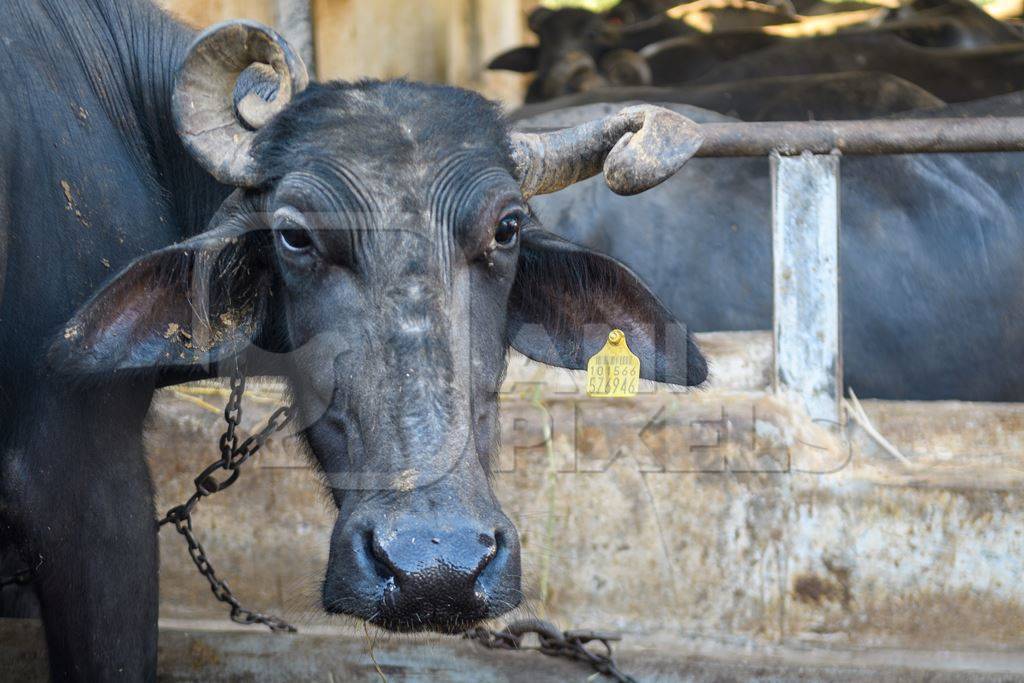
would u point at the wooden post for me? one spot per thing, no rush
(805, 244)
(295, 23)
(479, 30)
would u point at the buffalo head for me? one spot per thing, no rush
(379, 251)
(577, 51)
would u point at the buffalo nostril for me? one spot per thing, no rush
(492, 544)
(497, 551)
(378, 558)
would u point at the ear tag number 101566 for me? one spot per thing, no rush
(614, 372)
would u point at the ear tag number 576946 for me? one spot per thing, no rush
(614, 372)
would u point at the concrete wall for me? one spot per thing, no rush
(438, 41)
(715, 518)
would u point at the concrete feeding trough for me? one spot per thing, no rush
(722, 531)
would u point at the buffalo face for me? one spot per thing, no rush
(577, 51)
(380, 253)
(565, 61)
(396, 224)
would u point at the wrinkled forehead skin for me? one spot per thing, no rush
(373, 151)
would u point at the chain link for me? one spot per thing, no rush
(554, 643)
(232, 456)
(551, 641)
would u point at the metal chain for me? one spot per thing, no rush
(232, 456)
(554, 643)
(551, 641)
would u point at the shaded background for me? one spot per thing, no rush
(437, 41)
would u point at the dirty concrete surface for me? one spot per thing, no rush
(720, 529)
(203, 651)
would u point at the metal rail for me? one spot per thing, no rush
(806, 222)
(903, 136)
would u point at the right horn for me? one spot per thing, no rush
(236, 76)
(638, 148)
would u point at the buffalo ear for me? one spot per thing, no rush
(537, 18)
(190, 304)
(521, 59)
(566, 299)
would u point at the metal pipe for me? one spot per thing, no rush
(903, 136)
(295, 23)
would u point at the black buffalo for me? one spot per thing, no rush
(635, 11)
(953, 75)
(579, 51)
(932, 285)
(846, 95)
(954, 25)
(950, 23)
(173, 203)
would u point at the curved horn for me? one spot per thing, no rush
(638, 148)
(236, 76)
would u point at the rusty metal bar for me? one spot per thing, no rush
(904, 136)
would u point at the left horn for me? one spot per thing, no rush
(638, 148)
(235, 78)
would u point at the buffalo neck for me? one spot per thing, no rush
(130, 51)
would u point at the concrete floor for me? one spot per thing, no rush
(209, 652)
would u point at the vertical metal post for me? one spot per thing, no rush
(295, 23)
(805, 244)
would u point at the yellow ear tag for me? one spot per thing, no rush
(614, 372)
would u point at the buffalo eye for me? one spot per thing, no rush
(292, 231)
(507, 232)
(295, 240)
